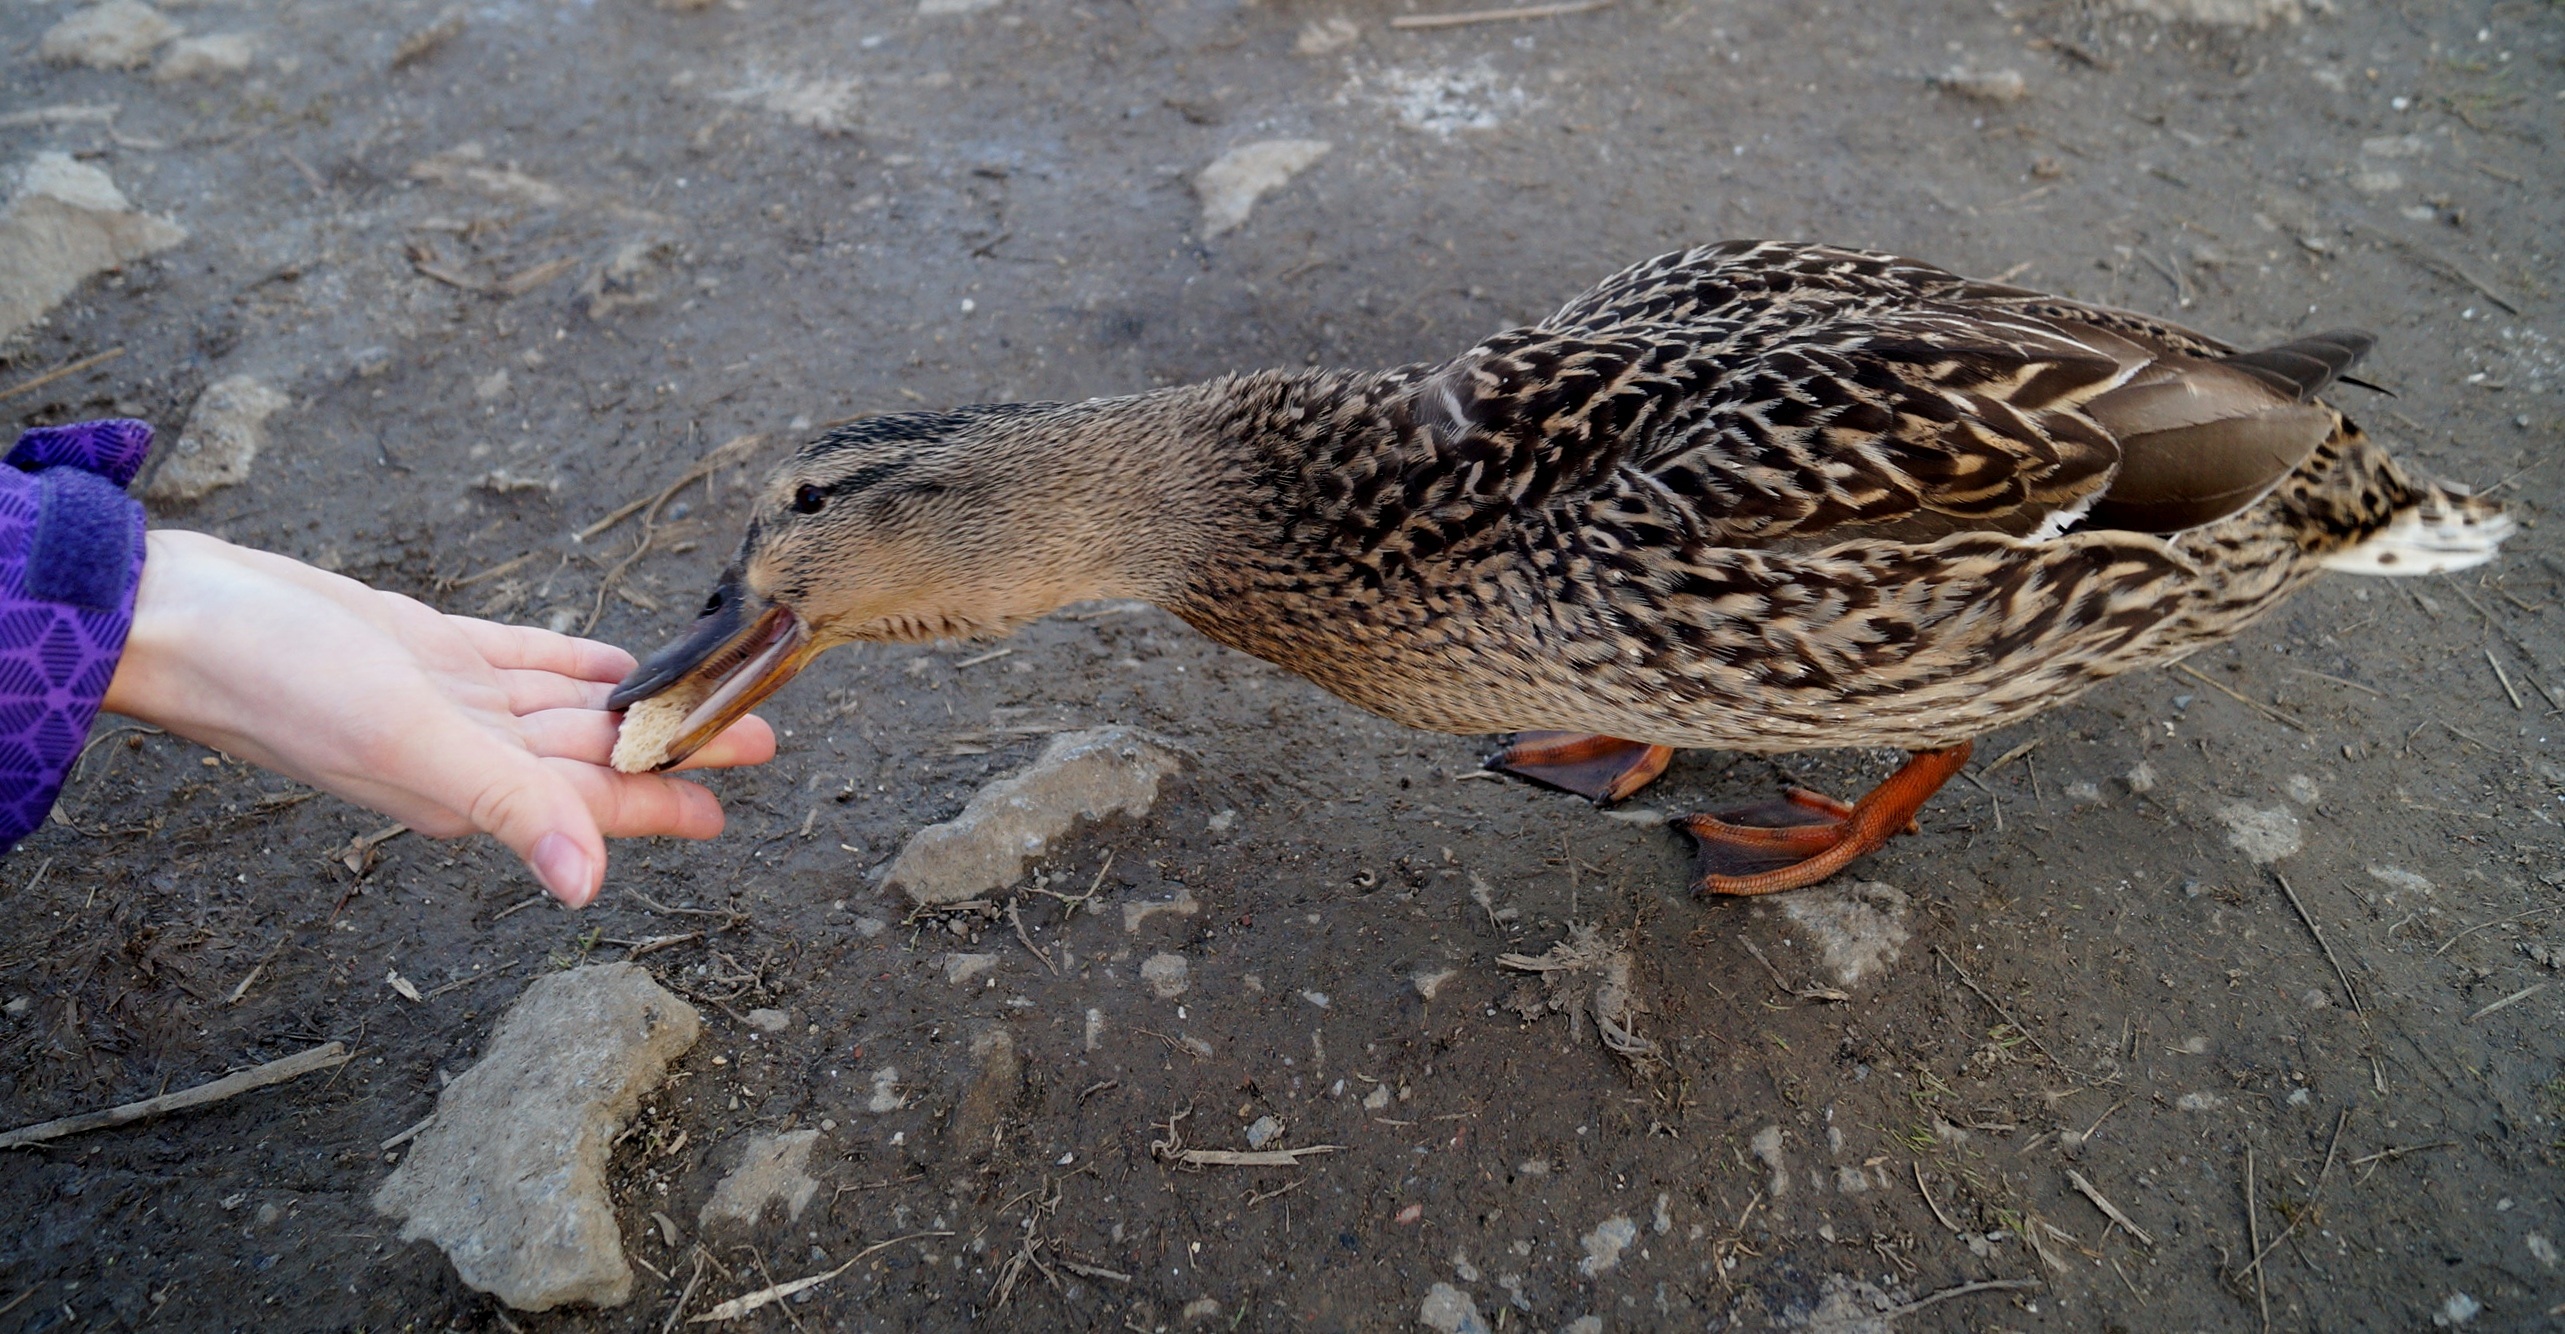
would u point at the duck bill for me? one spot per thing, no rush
(733, 657)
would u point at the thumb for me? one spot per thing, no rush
(535, 811)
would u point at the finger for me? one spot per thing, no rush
(748, 741)
(642, 805)
(584, 735)
(534, 691)
(522, 801)
(525, 647)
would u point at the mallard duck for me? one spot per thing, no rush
(1754, 496)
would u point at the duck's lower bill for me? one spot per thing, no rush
(688, 692)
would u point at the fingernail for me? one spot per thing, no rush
(563, 868)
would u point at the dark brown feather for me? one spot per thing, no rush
(2186, 476)
(2302, 367)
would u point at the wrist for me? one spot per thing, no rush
(144, 686)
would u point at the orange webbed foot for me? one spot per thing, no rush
(1601, 769)
(1808, 836)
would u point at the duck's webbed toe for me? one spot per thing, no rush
(1808, 836)
(1601, 769)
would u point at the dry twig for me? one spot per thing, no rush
(416, 1129)
(1964, 1289)
(2312, 1196)
(2441, 265)
(1016, 916)
(2244, 699)
(1250, 1158)
(2253, 1234)
(301, 1063)
(721, 454)
(2007, 1015)
(2109, 1210)
(2504, 677)
(693, 1281)
(1933, 1204)
(2508, 1001)
(1414, 22)
(2009, 756)
(67, 368)
(2499, 921)
(2321, 942)
(359, 852)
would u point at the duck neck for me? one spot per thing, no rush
(1207, 477)
(1232, 478)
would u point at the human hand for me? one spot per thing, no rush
(445, 723)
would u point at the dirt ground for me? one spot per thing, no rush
(521, 262)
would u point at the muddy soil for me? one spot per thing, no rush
(520, 263)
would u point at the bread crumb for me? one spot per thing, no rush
(650, 728)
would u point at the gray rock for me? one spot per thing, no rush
(2002, 87)
(1231, 185)
(828, 105)
(2265, 836)
(1450, 1310)
(1857, 931)
(1081, 776)
(1321, 37)
(207, 59)
(773, 1169)
(1165, 974)
(224, 433)
(120, 34)
(509, 1179)
(66, 222)
(997, 1075)
(1137, 915)
(1603, 1246)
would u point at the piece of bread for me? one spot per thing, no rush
(650, 728)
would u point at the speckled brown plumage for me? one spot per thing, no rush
(1752, 496)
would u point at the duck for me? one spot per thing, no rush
(1757, 496)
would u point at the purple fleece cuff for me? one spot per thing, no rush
(71, 554)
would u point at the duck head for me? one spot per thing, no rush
(911, 527)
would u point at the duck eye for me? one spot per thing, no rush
(809, 499)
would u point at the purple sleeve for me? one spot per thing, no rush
(71, 553)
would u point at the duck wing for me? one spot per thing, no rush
(1788, 397)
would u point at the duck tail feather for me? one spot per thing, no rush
(2302, 367)
(2444, 529)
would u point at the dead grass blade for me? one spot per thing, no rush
(1251, 1158)
(764, 1297)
